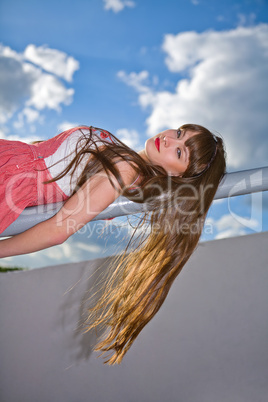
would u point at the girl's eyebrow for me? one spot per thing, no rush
(186, 152)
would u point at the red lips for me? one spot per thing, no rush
(157, 143)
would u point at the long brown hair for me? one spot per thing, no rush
(140, 280)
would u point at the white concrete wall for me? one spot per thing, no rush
(208, 342)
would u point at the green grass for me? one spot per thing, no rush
(10, 269)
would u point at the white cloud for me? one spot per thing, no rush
(89, 248)
(66, 125)
(117, 5)
(229, 226)
(136, 80)
(26, 89)
(15, 83)
(70, 251)
(60, 253)
(5, 135)
(140, 82)
(223, 86)
(232, 232)
(29, 116)
(129, 137)
(227, 222)
(49, 92)
(52, 60)
(244, 19)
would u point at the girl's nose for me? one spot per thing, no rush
(169, 141)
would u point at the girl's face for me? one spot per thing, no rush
(168, 150)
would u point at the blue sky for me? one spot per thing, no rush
(135, 68)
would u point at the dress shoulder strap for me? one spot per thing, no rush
(104, 134)
(133, 188)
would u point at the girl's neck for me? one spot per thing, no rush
(142, 153)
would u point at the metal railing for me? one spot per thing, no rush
(233, 184)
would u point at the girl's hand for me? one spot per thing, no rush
(91, 199)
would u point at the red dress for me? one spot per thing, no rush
(22, 175)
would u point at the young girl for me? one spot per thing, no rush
(177, 175)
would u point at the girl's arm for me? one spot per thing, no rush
(92, 198)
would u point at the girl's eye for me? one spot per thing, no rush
(178, 133)
(179, 153)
